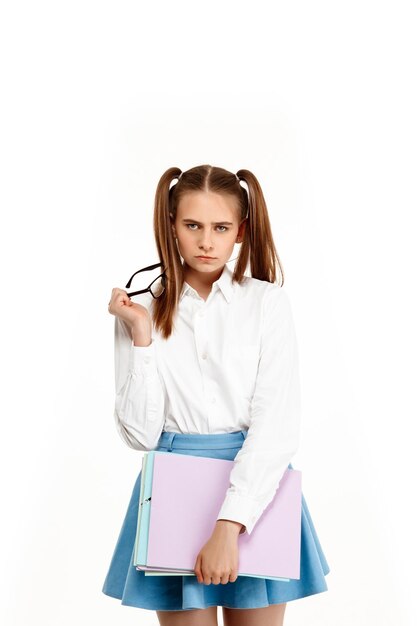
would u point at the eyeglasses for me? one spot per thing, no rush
(150, 287)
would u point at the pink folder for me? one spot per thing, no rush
(187, 493)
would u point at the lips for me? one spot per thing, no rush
(205, 257)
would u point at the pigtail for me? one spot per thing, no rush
(258, 248)
(164, 307)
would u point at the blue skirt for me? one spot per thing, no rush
(175, 593)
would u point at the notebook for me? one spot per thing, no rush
(180, 497)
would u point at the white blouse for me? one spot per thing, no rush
(230, 364)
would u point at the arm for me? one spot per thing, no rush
(273, 434)
(139, 402)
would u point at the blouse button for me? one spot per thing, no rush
(204, 355)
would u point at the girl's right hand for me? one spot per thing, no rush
(132, 313)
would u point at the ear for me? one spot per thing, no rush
(241, 232)
(172, 226)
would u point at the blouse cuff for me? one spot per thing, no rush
(241, 509)
(143, 360)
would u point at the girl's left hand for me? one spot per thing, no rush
(218, 559)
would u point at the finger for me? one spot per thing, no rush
(233, 576)
(197, 570)
(122, 299)
(119, 294)
(206, 575)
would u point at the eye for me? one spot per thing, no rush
(220, 226)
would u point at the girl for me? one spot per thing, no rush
(207, 364)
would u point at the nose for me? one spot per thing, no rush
(205, 242)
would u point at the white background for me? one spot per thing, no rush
(318, 99)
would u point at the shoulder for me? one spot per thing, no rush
(271, 294)
(254, 287)
(269, 302)
(275, 307)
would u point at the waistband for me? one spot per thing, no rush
(172, 440)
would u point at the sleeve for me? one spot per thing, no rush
(274, 428)
(139, 404)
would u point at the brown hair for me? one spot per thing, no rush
(257, 246)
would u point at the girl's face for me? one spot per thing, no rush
(207, 224)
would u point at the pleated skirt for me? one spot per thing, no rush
(175, 593)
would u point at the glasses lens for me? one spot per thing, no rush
(148, 279)
(157, 288)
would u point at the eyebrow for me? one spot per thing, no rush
(186, 219)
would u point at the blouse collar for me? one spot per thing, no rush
(224, 283)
